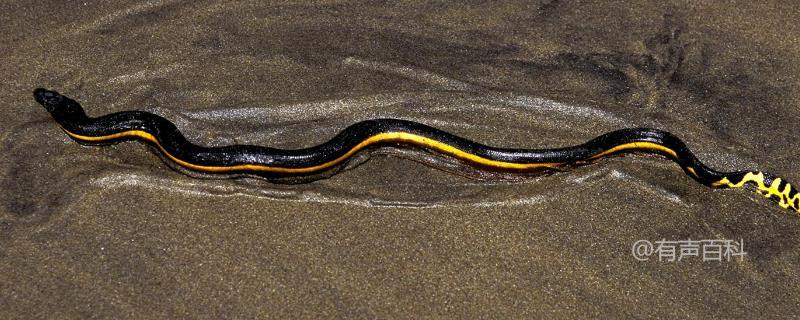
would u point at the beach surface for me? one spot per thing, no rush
(115, 232)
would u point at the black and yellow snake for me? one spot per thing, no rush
(271, 162)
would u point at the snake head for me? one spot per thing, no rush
(49, 99)
(57, 104)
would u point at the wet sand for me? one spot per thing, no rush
(113, 232)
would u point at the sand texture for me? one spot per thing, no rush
(114, 232)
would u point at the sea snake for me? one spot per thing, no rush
(271, 162)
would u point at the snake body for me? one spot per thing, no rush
(271, 162)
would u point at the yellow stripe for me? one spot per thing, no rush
(691, 170)
(381, 137)
(637, 146)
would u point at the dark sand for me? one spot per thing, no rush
(114, 233)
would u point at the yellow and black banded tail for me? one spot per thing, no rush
(766, 185)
